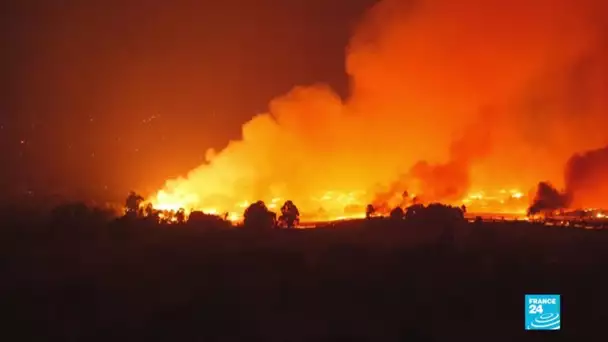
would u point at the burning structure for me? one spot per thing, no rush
(448, 101)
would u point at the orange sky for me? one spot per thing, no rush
(83, 79)
(485, 94)
(107, 98)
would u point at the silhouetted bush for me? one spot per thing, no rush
(415, 212)
(397, 214)
(78, 213)
(434, 213)
(202, 220)
(258, 217)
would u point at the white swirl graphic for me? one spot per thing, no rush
(548, 321)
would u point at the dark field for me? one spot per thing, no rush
(355, 281)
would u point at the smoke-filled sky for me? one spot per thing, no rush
(101, 97)
(532, 74)
(443, 96)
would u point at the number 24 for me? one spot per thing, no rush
(536, 309)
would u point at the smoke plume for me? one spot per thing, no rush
(547, 198)
(423, 75)
(585, 178)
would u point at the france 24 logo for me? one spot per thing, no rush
(542, 312)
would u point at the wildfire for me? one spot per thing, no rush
(452, 115)
(335, 206)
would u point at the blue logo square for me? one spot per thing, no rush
(542, 312)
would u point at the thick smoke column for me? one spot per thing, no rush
(586, 186)
(586, 178)
(539, 64)
(547, 198)
(423, 75)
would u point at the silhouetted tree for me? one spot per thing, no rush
(151, 214)
(165, 216)
(458, 213)
(153, 217)
(258, 217)
(369, 211)
(415, 211)
(149, 210)
(201, 220)
(290, 215)
(443, 213)
(197, 216)
(180, 216)
(397, 214)
(435, 213)
(133, 204)
(273, 218)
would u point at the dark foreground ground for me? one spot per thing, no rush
(359, 281)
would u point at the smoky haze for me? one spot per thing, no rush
(103, 97)
(424, 75)
(585, 178)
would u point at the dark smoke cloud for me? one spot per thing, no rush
(586, 178)
(586, 187)
(436, 64)
(548, 198)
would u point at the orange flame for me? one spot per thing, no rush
(424, 78)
